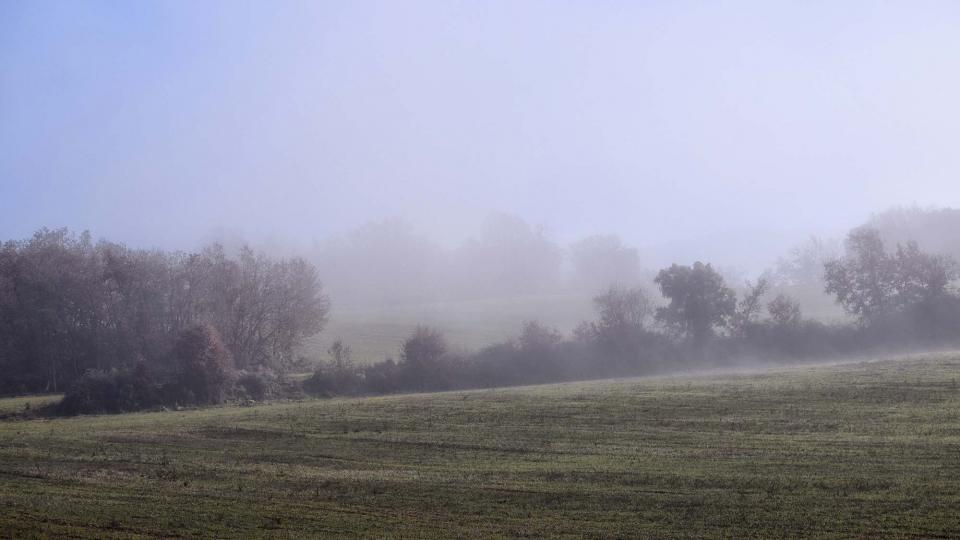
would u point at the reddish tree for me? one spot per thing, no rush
(205, 363)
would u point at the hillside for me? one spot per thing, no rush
(850, 450)
(376, 333)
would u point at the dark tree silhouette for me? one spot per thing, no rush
(699, 299)
(422, 359)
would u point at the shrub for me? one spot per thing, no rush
(257, 385)
(99, 391)
(382, 377)
(205, 364)
(331, 379)
(424, 362)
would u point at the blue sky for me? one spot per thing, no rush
(164, 123)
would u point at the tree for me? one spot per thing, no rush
(535, 360)
(264, 307)
(205, 363)
(699, 299)
(871, 283)
(536, 337)
(784, 311)
(298, 309)
(804, 264)
(621, 309)
(603, 259)
(863, 280)
(68, 306)
(52, 310)
(921, 277)
(748, 308)
(338, 376)
(341, 357)
(384, 262)
(510, 257)
(619, 331)
(422, 359)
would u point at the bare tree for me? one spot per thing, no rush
(870, 283)
(748, 308)
(622, 308)
(784, 311)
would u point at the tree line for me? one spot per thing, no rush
(899, 299)
(69, 306)
(388, 262)
(122, 329)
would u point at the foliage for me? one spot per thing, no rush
(257, 385)
(621, 309)
(699, 300)
(804, 264)
(99, 391)
(192, 319)
(205, 364)
(424, 362)
(784, 311)
(748, 308)
(337, 376)
(68, 305)
(872, 284)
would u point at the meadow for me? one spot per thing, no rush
(847, 450)
(376, 332)
(24, 405)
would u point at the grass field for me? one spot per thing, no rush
(18, 406)
(857, 450)
(376, 333)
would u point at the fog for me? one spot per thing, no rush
(680, 127)
(304, 268)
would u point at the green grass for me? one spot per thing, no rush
(374, 333)
(857, 450)
(25, 404)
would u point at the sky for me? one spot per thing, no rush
(693, 124)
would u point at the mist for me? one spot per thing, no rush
(437, 269)
(723, 132)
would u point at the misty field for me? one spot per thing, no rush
(375, 333)
(867, 449)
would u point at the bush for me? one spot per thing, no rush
(114, 391)
(205, 364)
(257, 385)
(382, 377)
(331, 379)
(424, 362)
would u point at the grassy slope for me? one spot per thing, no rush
(17, 406)
(376, 333)
(851, 450)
